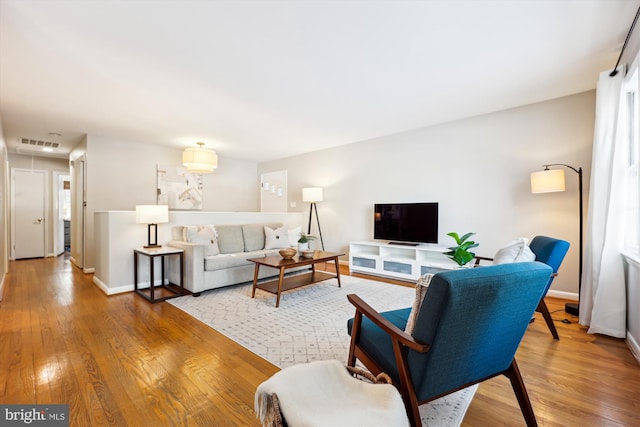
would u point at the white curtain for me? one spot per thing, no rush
(603, 299)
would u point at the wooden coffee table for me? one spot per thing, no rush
(287, 283)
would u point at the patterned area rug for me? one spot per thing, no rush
(310, 324)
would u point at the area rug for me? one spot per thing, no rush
(309, 325)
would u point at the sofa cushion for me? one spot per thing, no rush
(177, 233)
(254, 235)
(276, 239)
(230, 239)
(202, 234)
(223, 261)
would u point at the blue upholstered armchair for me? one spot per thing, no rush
(467, 330)
(550, 251)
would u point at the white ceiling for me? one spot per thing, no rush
(261, 80)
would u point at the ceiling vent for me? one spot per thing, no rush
(38, 143)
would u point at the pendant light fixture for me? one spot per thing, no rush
(200, 159)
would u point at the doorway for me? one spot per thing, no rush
(28, 213)
(78, 210)
(61, 213)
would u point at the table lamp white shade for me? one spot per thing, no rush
(547, 181)
(152, 214)
(312, 194)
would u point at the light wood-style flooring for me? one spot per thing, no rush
(121, 361)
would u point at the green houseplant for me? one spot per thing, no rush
(460, 253)
(303, 241)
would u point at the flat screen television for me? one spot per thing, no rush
(406, 222)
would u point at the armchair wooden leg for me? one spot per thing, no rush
(355, 335)
(406, 385)
(542, 308)
(513, 373)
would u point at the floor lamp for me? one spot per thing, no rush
(313, 195)
(552, 180)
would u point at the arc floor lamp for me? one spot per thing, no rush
(552, 180)
(313, 195)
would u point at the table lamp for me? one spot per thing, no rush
(152, 215)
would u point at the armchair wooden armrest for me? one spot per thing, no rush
(481, 258)
(395, 333)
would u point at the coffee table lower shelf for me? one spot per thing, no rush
(294, 282)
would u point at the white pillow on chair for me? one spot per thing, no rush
(516, 251)
(421, 290)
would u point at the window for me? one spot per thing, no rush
(632, 165)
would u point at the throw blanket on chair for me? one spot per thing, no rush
(323, 393)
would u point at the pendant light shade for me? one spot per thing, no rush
(199, 159)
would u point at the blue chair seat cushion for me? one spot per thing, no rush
(377, 343)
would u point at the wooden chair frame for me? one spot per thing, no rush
(402, 343)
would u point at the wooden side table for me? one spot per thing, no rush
(150, 293)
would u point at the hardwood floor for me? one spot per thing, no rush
(121, 361)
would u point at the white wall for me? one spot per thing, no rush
(632, 278)
(4, 211)
(50, 165)
(477, 169)
(121, 174)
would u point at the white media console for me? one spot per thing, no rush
(402, 262)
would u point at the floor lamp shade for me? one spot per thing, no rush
(152, 215)
(547, 181)
(312, 194)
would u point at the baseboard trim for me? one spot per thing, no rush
(111, 291)
(633, 346)
(2, 285)
(564, 295)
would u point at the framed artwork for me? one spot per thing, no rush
(179, 189)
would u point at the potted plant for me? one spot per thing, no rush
(460, 253)
(303, 241)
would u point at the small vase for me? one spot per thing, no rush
(303, 247)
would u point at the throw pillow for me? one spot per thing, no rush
(421, 290)
(516, 251)
(204, 235)
(276, 239)
(294, 235)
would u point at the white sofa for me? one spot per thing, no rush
(236, 243)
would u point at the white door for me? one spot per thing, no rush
(28, 199)
(273, 192)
